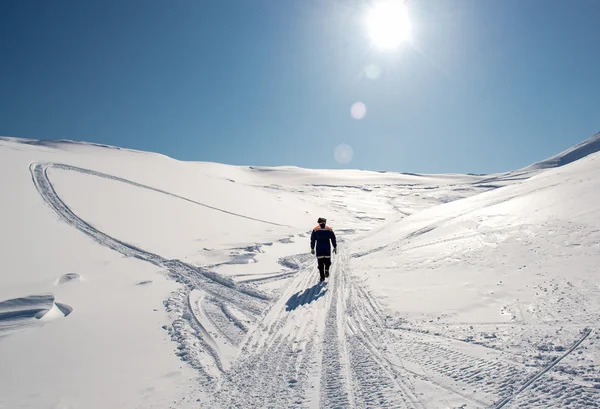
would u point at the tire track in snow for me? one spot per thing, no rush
(315, 338)
(453, 368)
(327, 351)
(371, 342)
(501, 380)
(197, 346)
(296, 356)
(561, 385)
(142, 186)
(557, 394)
(334, 377)
(276, 358)
(355, 375)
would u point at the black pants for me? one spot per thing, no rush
(324, 264)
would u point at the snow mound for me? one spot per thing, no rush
(23, 312)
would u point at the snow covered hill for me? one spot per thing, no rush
(132, 280)
(579, 151)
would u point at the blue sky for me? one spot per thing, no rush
(485, 86)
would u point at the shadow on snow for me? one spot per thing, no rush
(307, 296)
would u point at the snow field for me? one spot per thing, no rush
(132, 280)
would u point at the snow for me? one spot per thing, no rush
(581, 150)
(132, 280)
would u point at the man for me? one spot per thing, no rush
(321, 235)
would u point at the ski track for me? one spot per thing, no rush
(324, 345)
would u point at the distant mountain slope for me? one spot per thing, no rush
(579, 151)
(573, 154)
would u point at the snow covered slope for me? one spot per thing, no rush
(512, 270)
(579, 151)
(132, 280)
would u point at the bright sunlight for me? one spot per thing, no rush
(388, 24)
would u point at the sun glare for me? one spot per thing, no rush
(388, 24)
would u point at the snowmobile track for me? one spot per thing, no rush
(226, 291)
(568, 387)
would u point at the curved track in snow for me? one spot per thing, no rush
(201, 350)
(43, 167)
(317, 345)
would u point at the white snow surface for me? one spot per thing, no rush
(132, 280)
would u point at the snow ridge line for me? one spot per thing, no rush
(140, 185)
(247, 299)
(541, 373)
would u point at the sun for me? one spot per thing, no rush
(388, 24)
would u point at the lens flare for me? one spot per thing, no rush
(358, 110)
(372, 71)
(343, 154)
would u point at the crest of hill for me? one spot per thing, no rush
(579, 151)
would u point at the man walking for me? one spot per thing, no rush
(321, 235)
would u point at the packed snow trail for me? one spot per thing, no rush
(320, 345)
(312, 349)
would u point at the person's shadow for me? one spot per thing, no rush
(307, 296)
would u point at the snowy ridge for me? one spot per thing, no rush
(579, 151)
(69, 145)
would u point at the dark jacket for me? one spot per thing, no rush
(321, 236)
